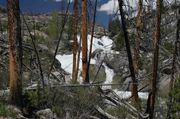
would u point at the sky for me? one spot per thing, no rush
(43, 6)
(105, 10)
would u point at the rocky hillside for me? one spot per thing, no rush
(109, 64)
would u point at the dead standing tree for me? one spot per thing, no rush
(155, 58)
(15, 52)
(84, 41)
(91, 43)
(75, 22)
(131, 67)
(138, 37)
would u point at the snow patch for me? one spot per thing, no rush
(104, 43)
(127, 94)
(109, 75)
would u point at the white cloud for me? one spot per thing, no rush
(111, 6)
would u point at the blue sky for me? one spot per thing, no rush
(43, 6)
(105, 10)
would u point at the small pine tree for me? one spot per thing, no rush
(53, 27)
(176, 99)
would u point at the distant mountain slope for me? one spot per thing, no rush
(43, 6)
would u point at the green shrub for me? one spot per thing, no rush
(7, 112)
(176, 99)
(117, 79)
(119, 112)
(101, 76)
(169, 47)
(53, 27)
(119, 42)
(78, 99)
(114, 27)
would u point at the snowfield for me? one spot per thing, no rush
(105, 44)
(127, 94)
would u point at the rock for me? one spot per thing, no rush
(96, 52)
(19, 116)
(117, 62)
(117, 78)
(101, 77)
(126, 85)
(16, 112)
(99, 31)
(40, 34)
(163, 85)
(45, 114)
(14, 109)
(143, 84)
(99, 43)
(167, 70)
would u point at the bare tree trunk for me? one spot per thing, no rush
(131, 67)
(138, 37)
(15, 52)
(78, 58)
(1, 27)
(74, 70)
(92, 35)
(84, 41)
(155, 58)
(170, 103)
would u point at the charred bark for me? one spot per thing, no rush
(138, 37)
(75, 16)
(131, 67)
(84, 41)
(15, 52)
(155, 58)
(92, 35)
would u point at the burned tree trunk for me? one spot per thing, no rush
(92, 35)
(138, 37)
(75, 17)
(131, 67)
(84, 41)
(155, 58)
(15, 52)
(78, 57)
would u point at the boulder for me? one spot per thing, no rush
(163, 85)
(101, 76)
(45, 114)
(15, 112)
(117, 62)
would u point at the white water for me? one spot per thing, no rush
(105, 44)
(109, 76)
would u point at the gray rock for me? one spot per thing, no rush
(163, 85)
(117, 62)
(97, 51)
(126, 84)
(45, 114)
(101, 77)
(14, 109)
(18, 113)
